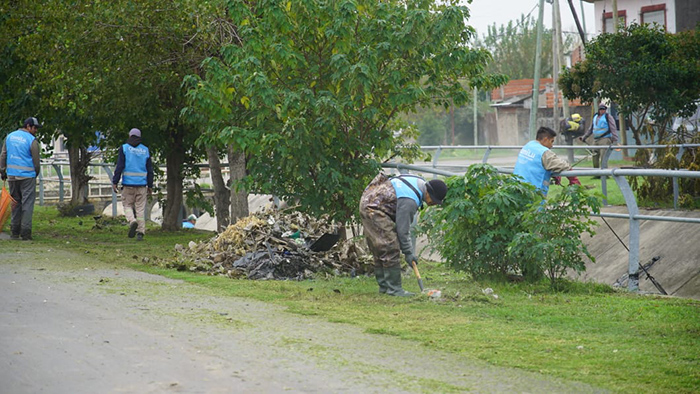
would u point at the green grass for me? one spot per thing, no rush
(588, 332)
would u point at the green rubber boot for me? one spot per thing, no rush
(381, 281)
(392, 277)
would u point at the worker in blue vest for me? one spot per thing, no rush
(387, 208)
(604, 131)
(135, 169)
(19, 165)
(536, 162)
(190, 222)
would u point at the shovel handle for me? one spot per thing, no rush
(415, 270)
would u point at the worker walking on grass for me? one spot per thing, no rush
(387, 209)
(604, 131)
(135, 165)
(536, 162)
(20, 165)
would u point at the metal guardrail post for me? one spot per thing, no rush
(60, 181)
(631, 201)
(437, 156)
(41, 187)
(604, 179)
(485, 159)
(679, 156)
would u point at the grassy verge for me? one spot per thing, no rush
(587, 333)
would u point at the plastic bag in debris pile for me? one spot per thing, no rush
(266, 265)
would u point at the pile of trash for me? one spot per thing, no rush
(279, 245)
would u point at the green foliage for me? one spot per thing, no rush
(643, 69)
(655, 190)
(310, 90)
(493, 224)
(514, 46)
(553, 240)
(483, 212)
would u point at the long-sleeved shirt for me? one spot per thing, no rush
(612, 126)
(554, 163)
(36, 159)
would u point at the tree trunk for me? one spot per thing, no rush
(222, 196)
(174, 161)
(239, 196)
(79, 158)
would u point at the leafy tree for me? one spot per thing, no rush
(646, 71)
(514, 47)
(110, 66)
(311, 89)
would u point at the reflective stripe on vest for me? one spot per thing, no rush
(135, 171)
(402, 189)
(19, 154)
(529, 166)
(600, 126)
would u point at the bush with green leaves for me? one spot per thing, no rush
(494, 224)
(552, 243)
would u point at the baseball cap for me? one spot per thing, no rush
(135, 132)
(437, 190)
(32, 121)
(602, 106)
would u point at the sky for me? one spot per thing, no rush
(487, 12)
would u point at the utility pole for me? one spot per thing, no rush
(476, 129)
(555, 67)
(620, 115)
(536, 82)
(559, 56)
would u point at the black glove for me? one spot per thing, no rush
(410, 259)
(3, 176)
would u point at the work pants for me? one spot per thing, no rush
(606, 141)
(134, 203)
(381, 237)
(23, 191)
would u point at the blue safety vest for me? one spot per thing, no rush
(402, 189)
(19, 154)
(135, 172)
(600, 126)
(529, 166)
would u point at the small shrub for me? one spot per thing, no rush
(482, 214)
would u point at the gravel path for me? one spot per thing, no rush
(71, 325)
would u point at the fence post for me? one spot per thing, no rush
(679, 156)
(604, 179)
(60, 181)
(631, 201)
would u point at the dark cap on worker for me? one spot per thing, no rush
(33, 122)
(602, 106)
(135, 132)
(437, 190)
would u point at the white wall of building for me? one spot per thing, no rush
(633, 12)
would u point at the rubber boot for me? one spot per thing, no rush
(392, 277)
(381, 281)
(26, 235)
(14, 232)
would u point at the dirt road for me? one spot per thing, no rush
(71, 325)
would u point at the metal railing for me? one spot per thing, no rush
(618, 175)
(605, 157)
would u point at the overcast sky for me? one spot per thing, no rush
(486, 12)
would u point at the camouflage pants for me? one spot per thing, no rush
(377, 203)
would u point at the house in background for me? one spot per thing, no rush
(512, 103)
(673, 15)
